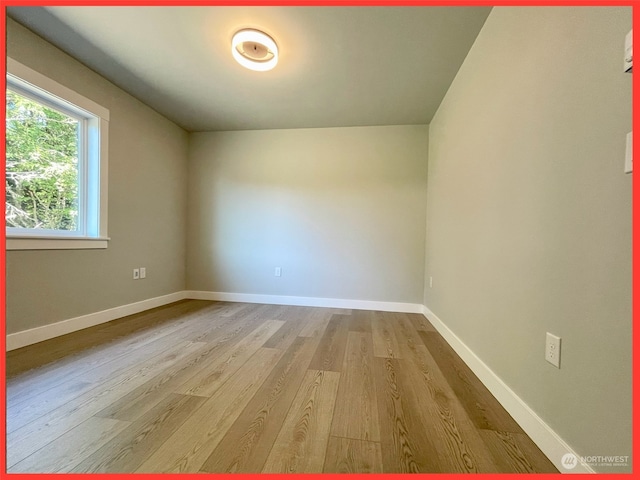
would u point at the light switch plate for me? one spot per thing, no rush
(628, 158)
(628, 52)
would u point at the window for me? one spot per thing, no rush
(56, 165)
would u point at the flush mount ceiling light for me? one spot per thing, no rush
(254, 50)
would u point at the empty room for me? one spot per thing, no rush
(318, 239)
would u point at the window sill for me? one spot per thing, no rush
(56, 243)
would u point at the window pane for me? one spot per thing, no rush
(42, 166)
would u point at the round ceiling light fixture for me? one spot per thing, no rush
(254, 50)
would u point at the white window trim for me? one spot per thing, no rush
(99, 239)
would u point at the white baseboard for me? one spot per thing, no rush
(551, 444)
(46, 332)
(306, 301)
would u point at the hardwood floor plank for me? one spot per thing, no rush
(301, 444)
(173, 379)
(126, 451)
(340, 311)
(356, 411)
(406, 446)
(420, 322)
(67, 348)
(28, 439)
(515, 452)
(247, 444)
(276, 388)
(295, 313)
(153, 391)
(26, 412)
(239, 323)
(106, 363)
(479, 403)
(317, 322)
(330, 352)
(385, 343)
(360, 321)
(455, 438)
(216, 326)
(138, 355)
(26, 409)
(72, 447)
(346, 455)
(188, 448)
(404, 330)
(229, 309)
(51, 373)
(536, 457)
(286, 334)
(207, 381)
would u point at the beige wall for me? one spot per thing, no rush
(340, 210)
(529, 215)
(147, 207)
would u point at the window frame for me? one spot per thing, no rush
(92, 164)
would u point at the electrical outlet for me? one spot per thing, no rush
(143, 272)
(552, 350)
(430, 282)
(136, 273)
(278, 272)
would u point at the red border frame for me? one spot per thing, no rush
(323, 3)
(635, 190)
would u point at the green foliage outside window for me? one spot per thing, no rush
(41, 166)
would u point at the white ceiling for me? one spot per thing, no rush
(339, 66)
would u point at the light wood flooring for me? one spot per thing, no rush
(229, 387)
